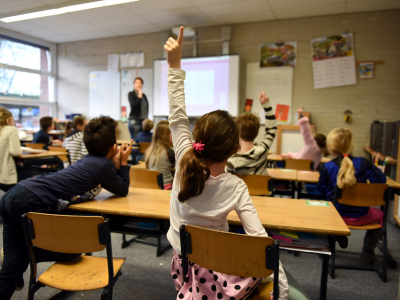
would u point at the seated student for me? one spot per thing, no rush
(9, 147)
(42, 136)
(160, 156)
(203, 193)
(74, 139)
(146, 135)
(252, 157)
(314, 146)
(345, 171)
(105, 165)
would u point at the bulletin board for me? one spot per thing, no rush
(127, 78)
(277, 83)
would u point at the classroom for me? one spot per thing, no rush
(101, 100)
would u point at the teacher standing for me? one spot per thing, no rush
(139, 108)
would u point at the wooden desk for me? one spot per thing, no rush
(307, 176)
(141, 165)
(27, 155)
(120, 142)
(283, 174)
(275, 157)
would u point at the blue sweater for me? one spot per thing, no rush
(42, 137)
(364, 170)
(144, 137)
(84, 175)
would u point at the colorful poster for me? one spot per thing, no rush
(282, 112)
(366, 70)
(278, 54)
(332, 46)
(248, 105)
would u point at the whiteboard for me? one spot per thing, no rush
(292, 140)
(127, 78)
(104, 94)
(277, 83)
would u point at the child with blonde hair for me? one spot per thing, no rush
(203, 193)
(345, 171)
(10, 147)
(160, 156)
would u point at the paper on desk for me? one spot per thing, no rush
(30, 150)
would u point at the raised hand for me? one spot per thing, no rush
(300, 110)
(116, 159)
(125, 152)
(173, 49)
(263, 98)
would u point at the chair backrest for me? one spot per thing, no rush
(143, 147)
(147, 179)
(229, 253)
(298, 164)
(35, 145)
(364, 194)
(60, 149)
(258, 185)
(66, 234)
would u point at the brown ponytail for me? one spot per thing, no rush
(340, 143)
(78, 120)
(68, 128)
(219, 133)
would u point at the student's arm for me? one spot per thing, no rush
(14, 144)
(134, 100)
(374, 175)
(270, 121)
(252, 225)
(305, 129)
(84, 151)
(115, 181)
(178, 120)
(292, 155)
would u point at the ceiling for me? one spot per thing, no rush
(161, 15)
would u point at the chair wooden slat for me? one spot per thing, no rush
(257, 184)
(141, 178)
(298, 164)
(60, 149)
(35, 145)
(209, 250)
(66, 234)
(143, 147)
(373, 225)
(364, 194)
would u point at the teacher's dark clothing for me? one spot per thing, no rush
(139, 106)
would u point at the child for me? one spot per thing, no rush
(9, 147)
(345, 171)
(252, 157)
(314, 146)
(160, 156)
(105, 165)
(203, 193)
(146, 135)
(42, 136)
(74, 139)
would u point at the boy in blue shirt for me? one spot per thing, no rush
(42, 136)
(105, 165)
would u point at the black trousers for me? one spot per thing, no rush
(13, 205)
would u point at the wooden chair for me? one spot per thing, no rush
(147, 179)
(364, 194)
(143, 147)
(298, 164)
(258, 185)
(72, 234)
(35, 145)
(230, 253)
(64, 158)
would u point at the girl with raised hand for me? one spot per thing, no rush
(203, 194)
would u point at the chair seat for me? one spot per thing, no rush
(264, 290)
(82, 274)
(373, 225)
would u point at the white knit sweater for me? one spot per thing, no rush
(9, 146)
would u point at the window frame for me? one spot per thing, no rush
(19, 37)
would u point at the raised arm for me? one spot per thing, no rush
(270, 121)
(178, 120)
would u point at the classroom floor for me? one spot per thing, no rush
(146, 276)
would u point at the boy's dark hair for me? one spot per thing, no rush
(138, 78)
(99, 135)
(248, 125)
(45, 123)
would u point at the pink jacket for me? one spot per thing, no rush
(310, 149)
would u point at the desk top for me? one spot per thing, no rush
(26, 155)
(276, 157)
(308, 176)
(274, 213)
(283, 174)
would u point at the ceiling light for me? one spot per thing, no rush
(63, 10)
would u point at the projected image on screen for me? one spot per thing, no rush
(211, 83)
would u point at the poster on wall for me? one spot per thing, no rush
(333, 61)
(281, 54)
(366, 70)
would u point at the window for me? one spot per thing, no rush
(27, 80)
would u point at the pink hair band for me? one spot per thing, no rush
(198, 146)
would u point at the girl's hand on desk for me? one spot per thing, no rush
(283, 155)
(173, 49)
(116, 159)
(125, 152)
(263, 98)
(57, 142)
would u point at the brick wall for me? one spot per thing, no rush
(376, 37)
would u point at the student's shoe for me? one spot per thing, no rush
(368, 256)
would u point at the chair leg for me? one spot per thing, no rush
(333, 254)
(124, 242)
